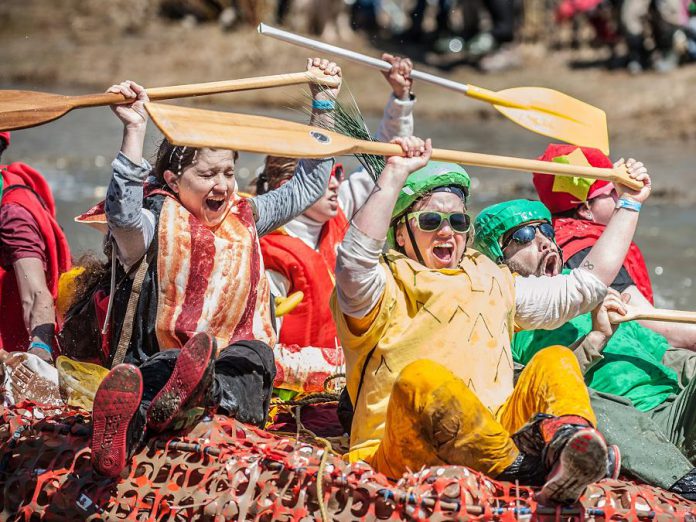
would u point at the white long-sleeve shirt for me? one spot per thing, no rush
(540, 302)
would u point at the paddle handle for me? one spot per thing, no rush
(201, 89)
(325, 48)
(617, 175)
(655, 314)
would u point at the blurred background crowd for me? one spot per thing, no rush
(638, 35)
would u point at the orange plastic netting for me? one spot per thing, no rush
(224, 470)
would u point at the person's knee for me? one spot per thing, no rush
(423, 375)
(553, 355)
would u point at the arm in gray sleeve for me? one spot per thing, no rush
(360, 279)
(130, 225)
(277, 207)
(397, 120)
(546, 303)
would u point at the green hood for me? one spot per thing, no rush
(435, 174)
(494, 221)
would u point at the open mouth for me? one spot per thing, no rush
(549, 265)
(444, 252)
(214, 204)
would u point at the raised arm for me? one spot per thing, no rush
(360, 281)
(608, 253)
(277, 207)
(397, 120)
(131, 227)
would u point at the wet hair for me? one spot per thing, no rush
(276, 170)
(96, 273)
(175, 158)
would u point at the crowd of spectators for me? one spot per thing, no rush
(638, 35)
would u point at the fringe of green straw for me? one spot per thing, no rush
(349, 121)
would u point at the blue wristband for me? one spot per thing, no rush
(42, 346)
(629, 204)
(324, 105)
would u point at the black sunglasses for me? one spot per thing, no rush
(430, 221)
(527, 233)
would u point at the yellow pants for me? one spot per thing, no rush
(434, 419)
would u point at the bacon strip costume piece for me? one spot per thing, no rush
(211, 280)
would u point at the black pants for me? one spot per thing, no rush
(244, 374)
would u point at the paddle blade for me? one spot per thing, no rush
(23, 109)
(242, 132)
(556, 115)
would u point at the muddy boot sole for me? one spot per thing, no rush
(115, 403)
(190, 370)
(583, 461)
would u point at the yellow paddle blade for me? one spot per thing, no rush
(285, 305)
(550, 113)
(243, 132)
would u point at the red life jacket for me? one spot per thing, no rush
(33, 193)
(574, 235)
(311, 272)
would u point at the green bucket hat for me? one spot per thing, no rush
(494, 221)
(435, 174)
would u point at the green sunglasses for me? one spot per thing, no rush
(430, 221)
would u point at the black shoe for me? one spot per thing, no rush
(572, 455)
(577, 457)
(186, 396)
(686, 486)
(526, 469)
(117, 425)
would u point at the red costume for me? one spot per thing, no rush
(572, 234)
(25, 186)
(312, 272)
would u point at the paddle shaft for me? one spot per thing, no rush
(308, 43)
(201, 89)
(655, 314)
(508, 163)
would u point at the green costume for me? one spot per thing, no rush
(630, 375)
(632, 363)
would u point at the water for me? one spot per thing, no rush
(75, 152)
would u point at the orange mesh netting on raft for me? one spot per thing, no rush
(224, 470)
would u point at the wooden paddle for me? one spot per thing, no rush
(22, 109)
(203, 128)
(538, 109)
(653, 314)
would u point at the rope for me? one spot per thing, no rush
(320, 478)
(314, 398)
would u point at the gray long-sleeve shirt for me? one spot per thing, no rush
(133, 227)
